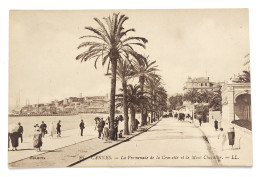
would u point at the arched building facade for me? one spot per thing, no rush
(236, 103)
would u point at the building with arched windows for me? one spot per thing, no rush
(236, 100)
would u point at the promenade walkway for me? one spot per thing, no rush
(242, 152)
(64, 151)
(169, 143)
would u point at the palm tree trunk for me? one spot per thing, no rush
(151, 110)
(145, 116)
(112, 98)
(143, 119)
(133, 123)
(125, 108)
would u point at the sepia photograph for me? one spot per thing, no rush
(129, 88)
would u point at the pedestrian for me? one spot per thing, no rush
(37, 138)
(52, 129)
(231, 136)
(81, 126)
(120, 118)
(149, 119)
(200, 121)
(106, 132)
(136, 124)
(43, 128)
(14, 135)
(100, 127)
(222, 137)
(58, 128)
(14, 140)
(216, 125)
(20, 130)
(116, 123)
(97, 120)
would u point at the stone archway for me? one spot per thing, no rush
(242, 107)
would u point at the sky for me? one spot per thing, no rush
(198, 43)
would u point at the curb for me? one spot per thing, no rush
(92, 155)
(210, 149)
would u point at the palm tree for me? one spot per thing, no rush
(124, 73)
(206, 96)
(144, 71)
(160, 101)
(175, 101)
(110, 44)
(192, 95)
(151, 86)
(216, 101)
(134, 97)
(244, 78)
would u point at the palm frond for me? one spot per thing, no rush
(91, 36)
(85, 44)
(144, 40)
(142, 45)
(105, 59)
(103, 28)
(125, 32)
(96, 61)
(99, 33)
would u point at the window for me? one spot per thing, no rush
(205, 84)
(201, 84)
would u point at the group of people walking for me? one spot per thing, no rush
(39, 133)
(223, 136)
(103, 128)
(41, 130)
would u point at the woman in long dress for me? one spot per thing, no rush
(13, 136)
(14, 140)
(37, 138)
(231, 136)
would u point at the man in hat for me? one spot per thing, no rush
(100, 126)
(20, 131)
(58, 128)
(81, 126)
(43, 128)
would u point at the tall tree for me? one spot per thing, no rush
(151, 86)
(176, 101)
(192, 95)
(215, 102)
(144, 71)
(134, 98)
(160, 100)
(205, 96)
(124, 73)
(110, 44)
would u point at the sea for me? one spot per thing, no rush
(67, 122)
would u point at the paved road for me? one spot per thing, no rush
(169, 143)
